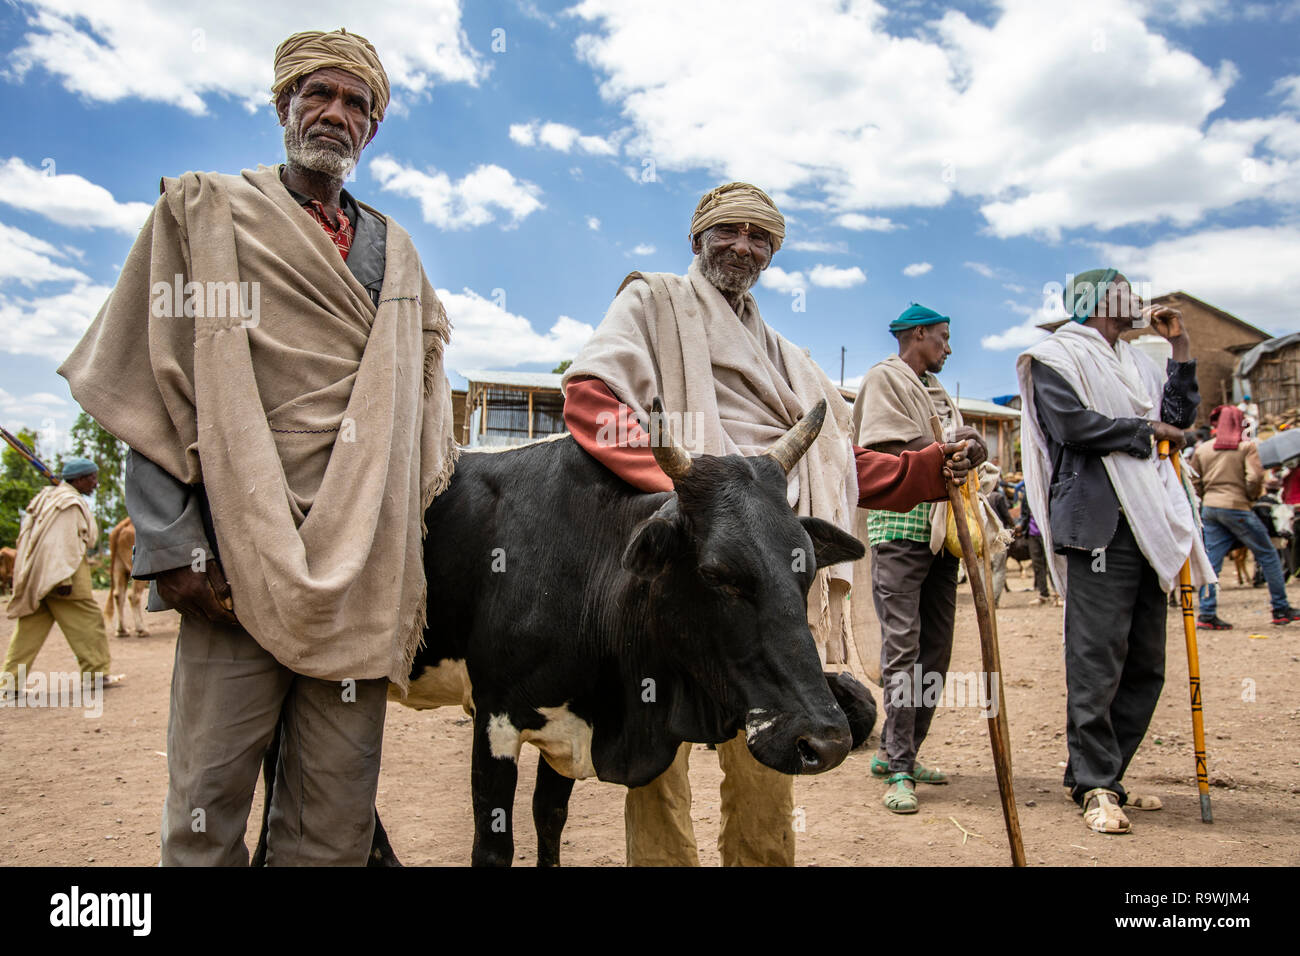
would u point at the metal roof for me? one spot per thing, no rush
(547, 380)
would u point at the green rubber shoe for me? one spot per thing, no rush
(900, 798)
(920, 772)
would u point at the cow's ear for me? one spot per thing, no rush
(830, 544)
(654, 542)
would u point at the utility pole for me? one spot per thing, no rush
(843, 352)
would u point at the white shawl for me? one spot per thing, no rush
(1119, 383)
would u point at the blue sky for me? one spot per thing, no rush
(963, 156)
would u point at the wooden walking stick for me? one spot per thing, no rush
(1193, 663)
(998, 734)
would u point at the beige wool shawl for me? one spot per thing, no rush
(730, 385)
(894, 405)
(52, 541)
(320, 428)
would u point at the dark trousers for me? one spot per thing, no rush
(1038, 557)
(1114, 660)
(915, 594)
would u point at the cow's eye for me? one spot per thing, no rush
(721, 581)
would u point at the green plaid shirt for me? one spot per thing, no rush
(912, 525)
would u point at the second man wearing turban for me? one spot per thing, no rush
(698, 342)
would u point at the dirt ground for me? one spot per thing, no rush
(80, 791)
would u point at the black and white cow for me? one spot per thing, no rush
(605, 626)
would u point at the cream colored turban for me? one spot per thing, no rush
(313, 50)
(739, 202)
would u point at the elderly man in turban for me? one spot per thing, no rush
(913, 577)
(288, 427)
(52, 579)
(698, 342)
(1117, 524)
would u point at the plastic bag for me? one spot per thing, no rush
(971, 505)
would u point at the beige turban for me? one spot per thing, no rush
(739, 202)
(313, 50)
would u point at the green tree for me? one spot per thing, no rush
(19, 484)
(90, 440)
(562, 367)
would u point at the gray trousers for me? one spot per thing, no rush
(915, 593)
(227, 696)
(1115, 616)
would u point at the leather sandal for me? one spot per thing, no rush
(1102, 813)
(900, 798)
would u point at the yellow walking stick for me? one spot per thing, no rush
(1193, 663)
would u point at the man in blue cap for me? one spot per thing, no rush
(913, 578)
(1117, 524)
(52, 578)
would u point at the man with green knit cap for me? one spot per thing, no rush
(913, 578)
(1117, 523)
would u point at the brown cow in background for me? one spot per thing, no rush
(123, 589)
(7, 558)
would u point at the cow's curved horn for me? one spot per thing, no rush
(790, 447)
(671, 457)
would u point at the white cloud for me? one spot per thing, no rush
(916, 269)
(643, 249)
(1026, 332)
(858, 222)
(593, 224)
(49, 326)
(1289, 89)
(829, 277)
(485, 335)
(846, 113)
(27, 259)
(161, 51)
(469, 201)
(67, 199)
(561, 137)
(805, 245)
(40, 411)
(1248, 271)
(777, 279)
(983, 269)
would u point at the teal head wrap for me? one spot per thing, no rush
(915, 315)
(79, 468)
(1084, 291)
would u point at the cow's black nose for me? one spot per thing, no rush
(820, 753)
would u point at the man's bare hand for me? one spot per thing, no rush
(955, 463)
(1171, 434)
(198, 593)
(977, 452)
(1165, 322)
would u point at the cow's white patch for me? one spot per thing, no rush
(504, 739)
(440, 686)
(565, 740)
(755, 725)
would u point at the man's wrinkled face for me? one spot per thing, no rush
(932, 343)
(733, 254)
(327, 122)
